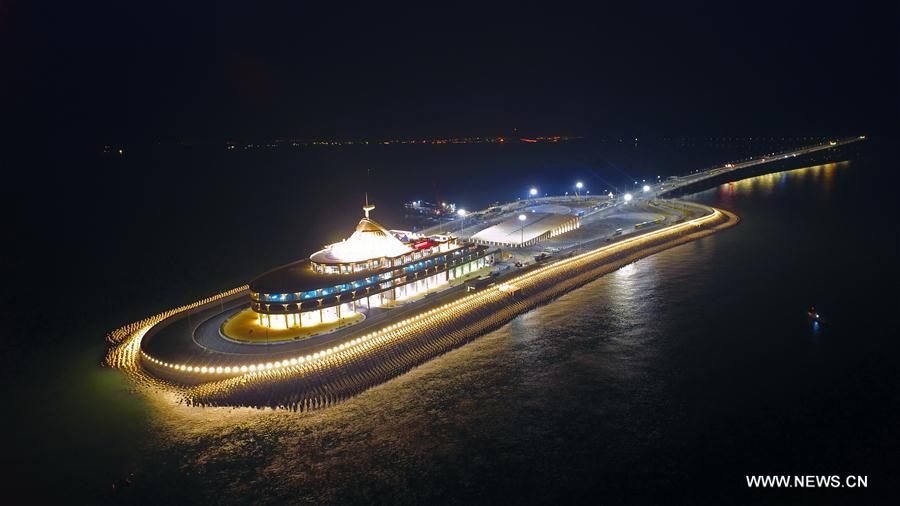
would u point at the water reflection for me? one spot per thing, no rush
(821, 176)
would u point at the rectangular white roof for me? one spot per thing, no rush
(515, 231)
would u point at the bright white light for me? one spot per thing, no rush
(462, 212)
(533, 192)
(522, 217)
(579, 185)
(628, 197)
(611, 195)
(646, 188)
(366, 242)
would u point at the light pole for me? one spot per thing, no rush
(462, 220)
(522, 218)
(578, 186)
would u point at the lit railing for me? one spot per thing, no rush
(392, 331)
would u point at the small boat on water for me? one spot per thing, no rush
(813, 314)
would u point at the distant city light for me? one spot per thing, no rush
(611, 195)
(628, 197)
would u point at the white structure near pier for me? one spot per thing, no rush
(526, 229)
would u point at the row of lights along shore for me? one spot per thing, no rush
(299, 360)
(311, 358)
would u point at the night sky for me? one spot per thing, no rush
(129, 72)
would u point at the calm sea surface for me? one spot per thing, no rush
(666, 381)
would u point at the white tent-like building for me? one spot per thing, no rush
(535, 227)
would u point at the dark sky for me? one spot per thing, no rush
(133, 71)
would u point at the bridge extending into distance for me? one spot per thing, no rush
(479, 220)
(677, 182)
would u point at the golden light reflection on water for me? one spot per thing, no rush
(767, 184)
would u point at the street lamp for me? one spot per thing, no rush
(628, 197)
(522, 218)
(462, 220)
(578, 186)
(646, 188)
(533, 192)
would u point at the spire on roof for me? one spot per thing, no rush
(368, 207)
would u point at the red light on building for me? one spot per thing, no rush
(427, 243)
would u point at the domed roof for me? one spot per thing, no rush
(370, 240)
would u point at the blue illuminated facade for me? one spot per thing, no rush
(369, 283)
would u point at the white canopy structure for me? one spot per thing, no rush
(535, 227)
(370, 240)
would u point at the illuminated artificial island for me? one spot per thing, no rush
(364, 310)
